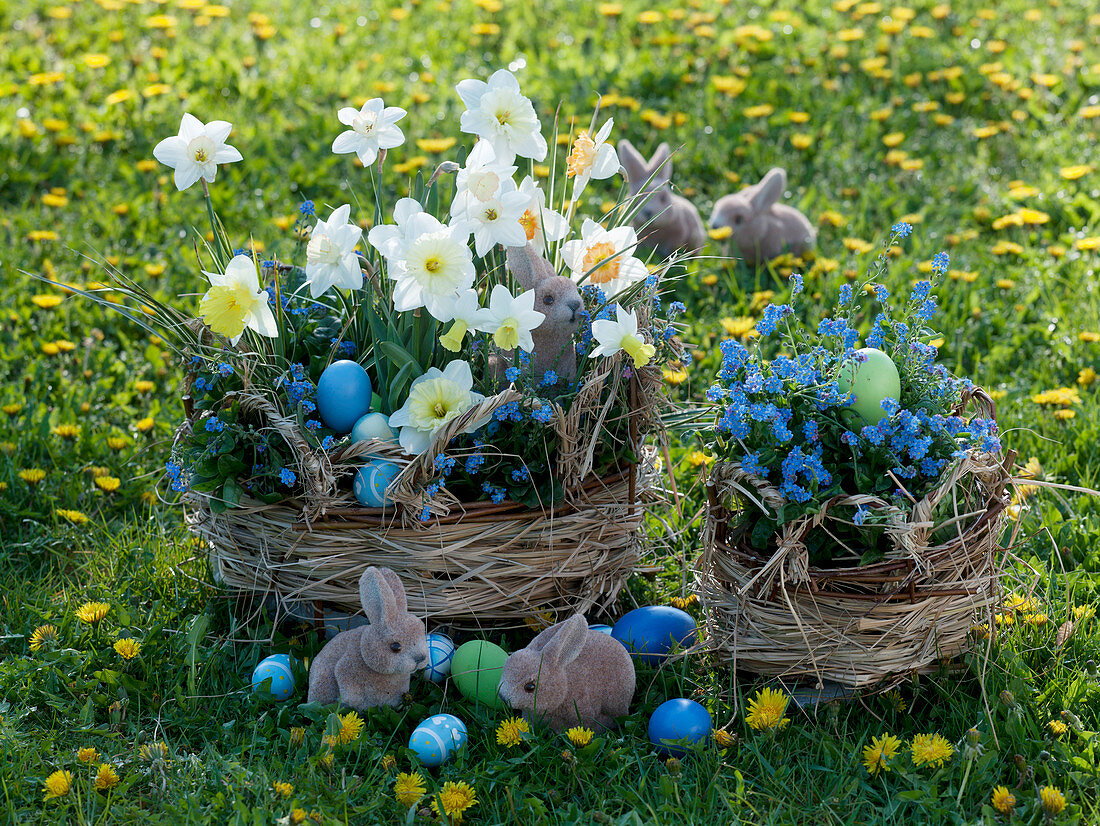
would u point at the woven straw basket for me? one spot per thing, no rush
(469, 563)
(862, 625)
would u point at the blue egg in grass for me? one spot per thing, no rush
(676, 723)
(603, 629)
(343, 395)
(650, 633)
(372, 480)
(438, 739)
(441, 650)
(373, 426)
(278, 669)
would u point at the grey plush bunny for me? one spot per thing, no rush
(669, 222)
(557, 298)
(762, 228)
(570, 676)
(370, 665)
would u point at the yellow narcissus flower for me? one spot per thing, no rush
(930, 750)
(351, 726)
(453, 800)
(58, 784)
(235, 302)
(622, 334)
(106, 778)
(1003, 800)
(512, 732)
(767, 710)
(42, 635)
(579, 736)
(127, 648)
(409, 788)
(92, 612)
(877, 756)
(434, 399)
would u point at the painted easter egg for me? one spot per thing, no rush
(440, 653)
(870, 381)
(343, 395)
(372, 480)
(603, 629)
(438, 739)
(676, 723)
(650, 633)
(373, 426)
(277, 668)
(476, 669)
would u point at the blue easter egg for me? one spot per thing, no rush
(603, 629)
(650, 633)
(343, 395)
(678, 720)
(372, 480)
(438, 739)
(440, 653)
(277, 668)
(373, 426)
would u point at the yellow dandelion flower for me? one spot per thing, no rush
(145, 425)
(1052, 799)
(12, 408)
(58, 784)
(724, 739)
(92, 612)
(157, 750)
(42, 636)
(720, 233)
(1003, 800)
(297, 735)
(389, 763)
(742, 327)
(675, 374)
(1072, 173)
(108, 483)
(87, 754)
(930, 750)
(127, 648)
(710, 279)
(877, 756)
(579, 736)
(65, 431)
(1057, 728)
(512, 732)
(1062, 396)
(1087, 244)
(1017, 602)
(453, 800)
(684, 602)
(42, 235)
(762, 110)
(435, 145)
(118, 442)
(283, 788)
(409, 788)
(351, 726)
(698, 457)
(47, 301)
(106, 778)
(1086, 377)
(32, 475)
(767, 710)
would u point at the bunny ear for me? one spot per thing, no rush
(544, 638)
(376, 596)
(528, 267)
(769, 190)
(567, 643)
(398, 589)
(660, 165)
(632, 161)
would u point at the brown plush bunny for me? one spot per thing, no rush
(762, 228)
(370, 665)
(557, 298)
(669, 222)
(570, 676)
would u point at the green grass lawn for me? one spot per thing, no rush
(978, 124)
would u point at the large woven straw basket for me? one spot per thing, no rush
(468, 563)
(861, 625)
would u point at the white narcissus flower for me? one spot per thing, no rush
(235, 301)
(495, 220)
(621, 334)
(372, 128)
(390, 239)
(591, 159)
(435, 265)
(197, 150)
(483, 176)
(498, 112)
(542, 226)
(330, 255)
(467, 315)
(604, 256)
(511, 320)
(434, 399)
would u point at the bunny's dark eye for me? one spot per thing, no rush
(530, 687)
(737, 220)
(548, 300)
(395, 647)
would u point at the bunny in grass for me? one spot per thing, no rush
(370, 665)
(570, 676)
(761, 228)
(669, 222)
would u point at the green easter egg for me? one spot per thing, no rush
(476, 669)
(871, 381)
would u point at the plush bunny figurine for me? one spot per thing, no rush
(669, 222)
(762, 228)
(557, 298)
(371, 665)
(570, 676)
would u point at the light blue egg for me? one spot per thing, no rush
(343, 395)
(277, 667)
(603, 629)
(441, 651)
(372, 480)
(438, 739)
(373, 426)
(678, 721)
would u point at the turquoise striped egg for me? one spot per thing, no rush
(277, 669)
(440, 653)
(371, 481)
(438, 739)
